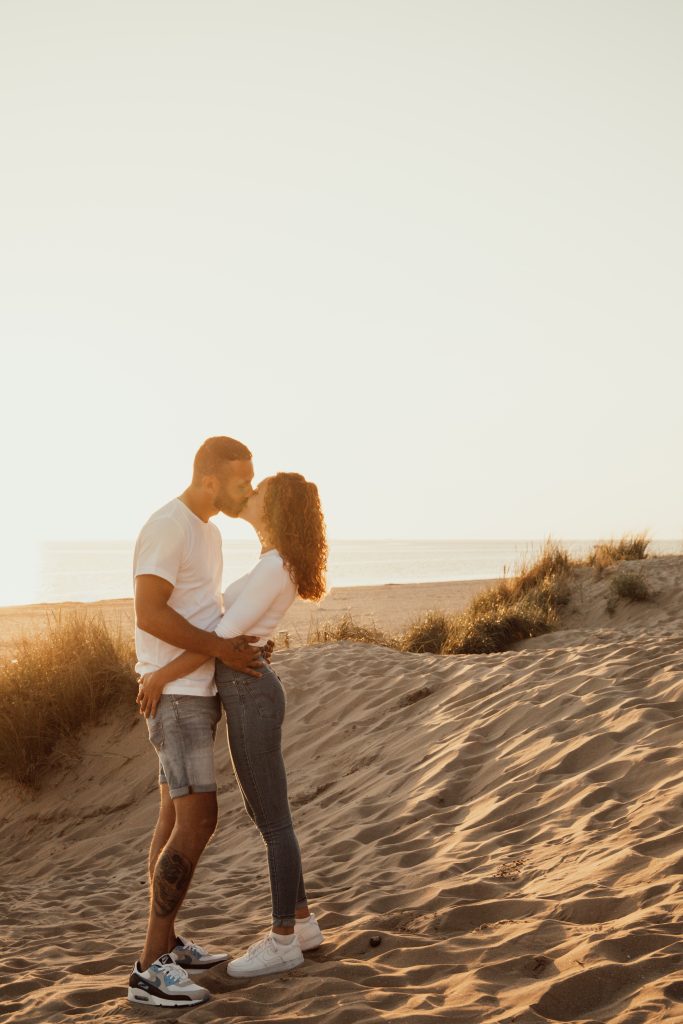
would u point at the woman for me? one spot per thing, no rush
(286, 514)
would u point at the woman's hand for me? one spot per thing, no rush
(149, 693)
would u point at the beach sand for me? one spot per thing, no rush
(390, 607)
(486, 839)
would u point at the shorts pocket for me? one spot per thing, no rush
(155, 727)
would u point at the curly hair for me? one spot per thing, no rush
(296, 526)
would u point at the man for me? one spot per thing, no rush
(178, 568)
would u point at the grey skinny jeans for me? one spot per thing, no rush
(255, 710)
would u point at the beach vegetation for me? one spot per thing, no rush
(516, 608)
(627, 586)
(513, 609)
(55, 684)
(427, 635)
(345, 628)
(631, 548)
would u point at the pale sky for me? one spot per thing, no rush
(426, 253)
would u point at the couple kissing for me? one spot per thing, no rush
(200, 652)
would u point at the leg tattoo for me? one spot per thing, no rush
(171, 881)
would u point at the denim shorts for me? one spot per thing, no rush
(183, 733)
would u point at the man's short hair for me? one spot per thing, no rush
(214, 452)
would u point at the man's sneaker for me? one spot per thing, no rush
(164, 983)
(195, 959)
(267, 956)
(308, 933)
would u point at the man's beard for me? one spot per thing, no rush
(227, 506)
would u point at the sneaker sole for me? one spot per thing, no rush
(308, 947)
(135, 995)
(265, 970)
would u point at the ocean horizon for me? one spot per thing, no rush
(101, 570)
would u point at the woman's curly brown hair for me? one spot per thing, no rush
(296, 527)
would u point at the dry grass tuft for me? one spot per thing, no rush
(631, 548)
(346, 629)
(627, 586)
(497, 629)
(428, 635)
(54, 685)
(515, 609)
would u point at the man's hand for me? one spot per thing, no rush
(236, 653)
(149, 694)
(268, 650)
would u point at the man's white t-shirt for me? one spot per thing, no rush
(180, 547)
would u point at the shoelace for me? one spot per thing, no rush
(256, 947)
(195, 950)
(173, 971)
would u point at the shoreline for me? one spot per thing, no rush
(389, 606)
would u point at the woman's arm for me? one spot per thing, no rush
(265, 583)
(152, 685)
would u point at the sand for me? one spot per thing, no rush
(390, 607)
(509, 827)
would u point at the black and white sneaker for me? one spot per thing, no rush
(164, 983)
(194, 958)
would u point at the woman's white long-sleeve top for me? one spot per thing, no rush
(254, 604)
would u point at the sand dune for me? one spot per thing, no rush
(510, 827)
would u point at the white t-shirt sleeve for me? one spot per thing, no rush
(160, 549)
(264, 585)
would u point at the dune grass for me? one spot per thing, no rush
(627, 586)
(631, 548)
(345, 628)
(513, 609)
(427, 635)
(516, 608)
(54, 685)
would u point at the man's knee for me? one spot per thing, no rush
(191, 835)
(197, 817)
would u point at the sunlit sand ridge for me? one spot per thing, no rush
(488, 838)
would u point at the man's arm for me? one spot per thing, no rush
(152, 685)
(153, 615)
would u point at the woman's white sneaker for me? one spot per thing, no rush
(164, 983)
(267, 956)
(308, 933)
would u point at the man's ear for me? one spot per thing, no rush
(210, 484)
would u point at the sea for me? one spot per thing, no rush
(101, 570)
